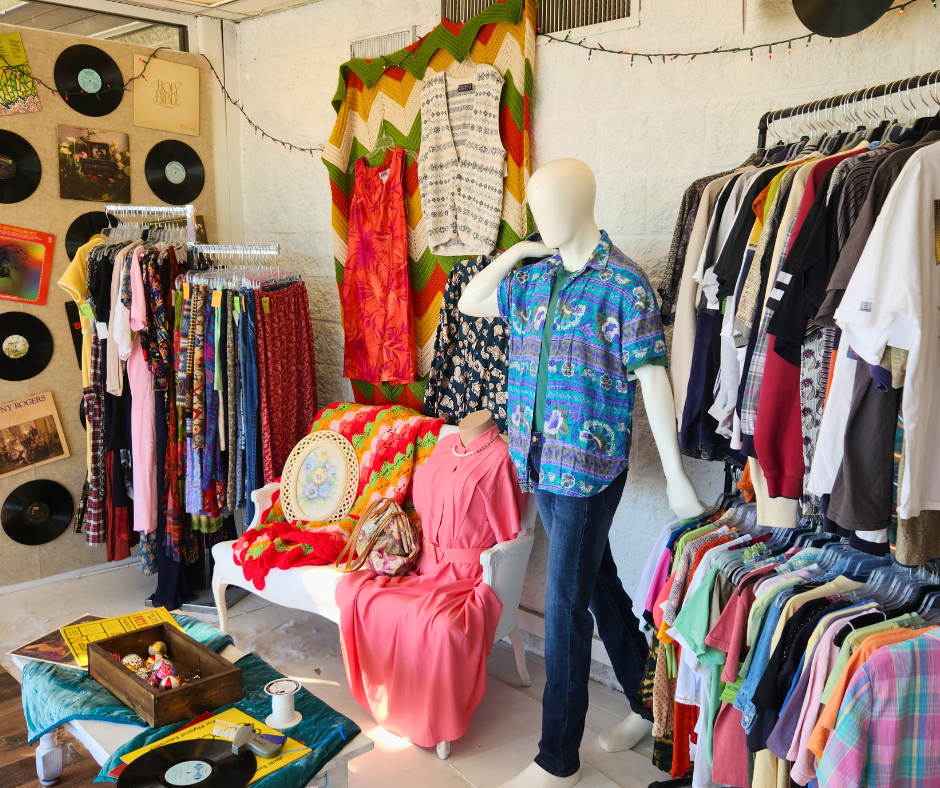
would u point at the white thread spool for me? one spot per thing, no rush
(283, 715)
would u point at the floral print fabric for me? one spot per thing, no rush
(469, 371)
(376, 291)
(607, 323)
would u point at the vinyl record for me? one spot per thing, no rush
(20, 169)
(25, 346)
(36, 512)
(83, 229)
(86, 69)
(81, 415)
(839, 18)
(174, 172)
(203, 763)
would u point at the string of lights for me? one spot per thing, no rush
(690, 56)
(24, 73)
(387, 62)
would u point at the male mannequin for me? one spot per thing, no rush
(561, 196)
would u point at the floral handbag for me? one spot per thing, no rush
(385, 541)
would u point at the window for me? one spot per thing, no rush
(553, 15)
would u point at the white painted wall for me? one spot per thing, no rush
(647, 131)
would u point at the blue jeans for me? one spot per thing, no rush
(582, 579)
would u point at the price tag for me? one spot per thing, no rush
(86, 311)
(185, 289)
(216, 298)
(237, 304)
(266, 305)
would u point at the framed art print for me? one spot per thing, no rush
(320, 478)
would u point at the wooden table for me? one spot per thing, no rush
(103, 738)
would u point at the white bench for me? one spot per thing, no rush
(313, 588)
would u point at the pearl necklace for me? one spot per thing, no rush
(475, 451)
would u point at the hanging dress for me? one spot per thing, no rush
(415, 646)
(376, 290)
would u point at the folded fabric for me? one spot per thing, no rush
(54, 695)
(390, 442)
(323, 729)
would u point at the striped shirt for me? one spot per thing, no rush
(888, 728)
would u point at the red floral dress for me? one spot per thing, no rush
(376, 290)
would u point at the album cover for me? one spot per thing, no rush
(30, 432)
(94, 165)
(25, 264)
(18, 92)
(51, 646)
(168, 99)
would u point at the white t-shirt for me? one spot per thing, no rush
(893, 299)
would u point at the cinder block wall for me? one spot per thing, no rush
(647, 130)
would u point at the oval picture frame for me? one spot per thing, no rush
(320, 478)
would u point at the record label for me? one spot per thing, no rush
(26, 344)
(89, 81)
(36, 512)
(174, 172)
(7, 167)
(15, 346)
(188, 773)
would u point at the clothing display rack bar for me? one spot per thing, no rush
(226, 249)
(862, 94)
(157, 213)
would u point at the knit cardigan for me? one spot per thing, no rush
(460, 166)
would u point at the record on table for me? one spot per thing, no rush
(25, 346)
(204, 763)
(839, 18)
(174, 172)
(20, 170)
(37, 512)
(83, 229)
(83, 74)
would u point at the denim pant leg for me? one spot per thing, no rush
(577, 529)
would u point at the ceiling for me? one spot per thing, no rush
(66, 17)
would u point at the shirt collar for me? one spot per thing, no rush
(598, 258)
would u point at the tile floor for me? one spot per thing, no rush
(502, 738)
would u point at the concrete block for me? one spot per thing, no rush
(621, 204)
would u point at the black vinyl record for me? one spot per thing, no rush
(174, 172)
(83, 229)
(20, 170)
(81, 73)
(203, 763)
(36, 512)
(25, 346)
(81, 415)
(839, 18)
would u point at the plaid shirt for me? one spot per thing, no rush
(889, 722)
(607, 323)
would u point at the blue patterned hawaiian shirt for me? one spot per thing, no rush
(607, 323)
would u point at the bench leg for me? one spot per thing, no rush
(49, 759)
(443, 750)
(218, 592)
(518, 646)
(338, 776)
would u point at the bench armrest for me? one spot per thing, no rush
(262, 498)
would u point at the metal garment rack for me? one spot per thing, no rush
(157, 213)
(865, 95)
(228, 252)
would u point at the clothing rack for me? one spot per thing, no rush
(157, 212)
(234, 253)
(868, 94)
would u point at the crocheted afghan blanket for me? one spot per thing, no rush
(382, 96)
(390, 442)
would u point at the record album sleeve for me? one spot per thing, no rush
(25, 264)
(30, 434)
(51, 646)
(94, 165)
(169, 98)
(18, 92)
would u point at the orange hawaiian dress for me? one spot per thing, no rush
(376, 292)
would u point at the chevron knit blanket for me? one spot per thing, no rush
(390, 442)
(377, 90)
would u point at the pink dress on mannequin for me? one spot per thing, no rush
(415, 646)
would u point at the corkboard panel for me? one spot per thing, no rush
(45, 211)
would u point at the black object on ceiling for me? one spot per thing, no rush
(839, 18)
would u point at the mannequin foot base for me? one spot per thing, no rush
(534, 776)
(626, 734)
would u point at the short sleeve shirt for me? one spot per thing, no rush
(607, 323)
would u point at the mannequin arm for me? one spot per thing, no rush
(479, 296)
(660, 410)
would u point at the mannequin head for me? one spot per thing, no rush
(561, 195)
